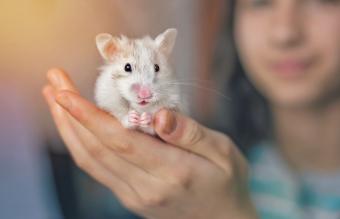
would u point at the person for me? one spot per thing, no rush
(287, 108)
(287, 92)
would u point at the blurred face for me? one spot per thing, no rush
(290, 49)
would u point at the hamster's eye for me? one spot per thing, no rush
(156, 68)
(128, 68)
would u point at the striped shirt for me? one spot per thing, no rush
(279, 193)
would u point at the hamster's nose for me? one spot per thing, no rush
(142, 91)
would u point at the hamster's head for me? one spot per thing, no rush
(139, 68)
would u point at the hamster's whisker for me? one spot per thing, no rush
(202, 82)
(217, 92)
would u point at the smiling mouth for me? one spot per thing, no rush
(143, 102)
(292, 68)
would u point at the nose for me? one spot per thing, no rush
(286, 25)
(142, 91)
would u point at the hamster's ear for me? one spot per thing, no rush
(166, 41)
(106, 45)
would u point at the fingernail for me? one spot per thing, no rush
(65, 101)
(170, 123)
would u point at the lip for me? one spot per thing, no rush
(143, 102)
(291, 68)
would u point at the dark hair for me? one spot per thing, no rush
(249, 113)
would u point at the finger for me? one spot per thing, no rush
(65, 130)
(107, 157)
(147, 152)
(187, 134)
(76, 148)
(60, 80)
(135, 176)
(99, 122)
(127, 176)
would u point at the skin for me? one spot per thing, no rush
(189, 172)
(291, 52)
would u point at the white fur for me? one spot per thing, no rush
(113, 91)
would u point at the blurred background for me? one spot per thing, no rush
(37, 177)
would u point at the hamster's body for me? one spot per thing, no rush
(137, 80)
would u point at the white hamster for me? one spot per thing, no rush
(137, 80)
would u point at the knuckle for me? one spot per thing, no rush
(225, 150)
(182, 178)
(154, 200)
(81, 115)
(223, 142)
(194, 134)
(125, 147)
(96, 151)
(184, 182)
(228, 168)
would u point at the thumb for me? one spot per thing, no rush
(186, 133)
(177, 129)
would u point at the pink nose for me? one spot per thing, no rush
(143, 92)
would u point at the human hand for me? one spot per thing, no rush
(191, 172)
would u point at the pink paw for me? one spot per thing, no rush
(145, 119)
(133, 118)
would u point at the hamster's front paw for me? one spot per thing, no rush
(145, 120)
(131, 121)
(145, 123)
